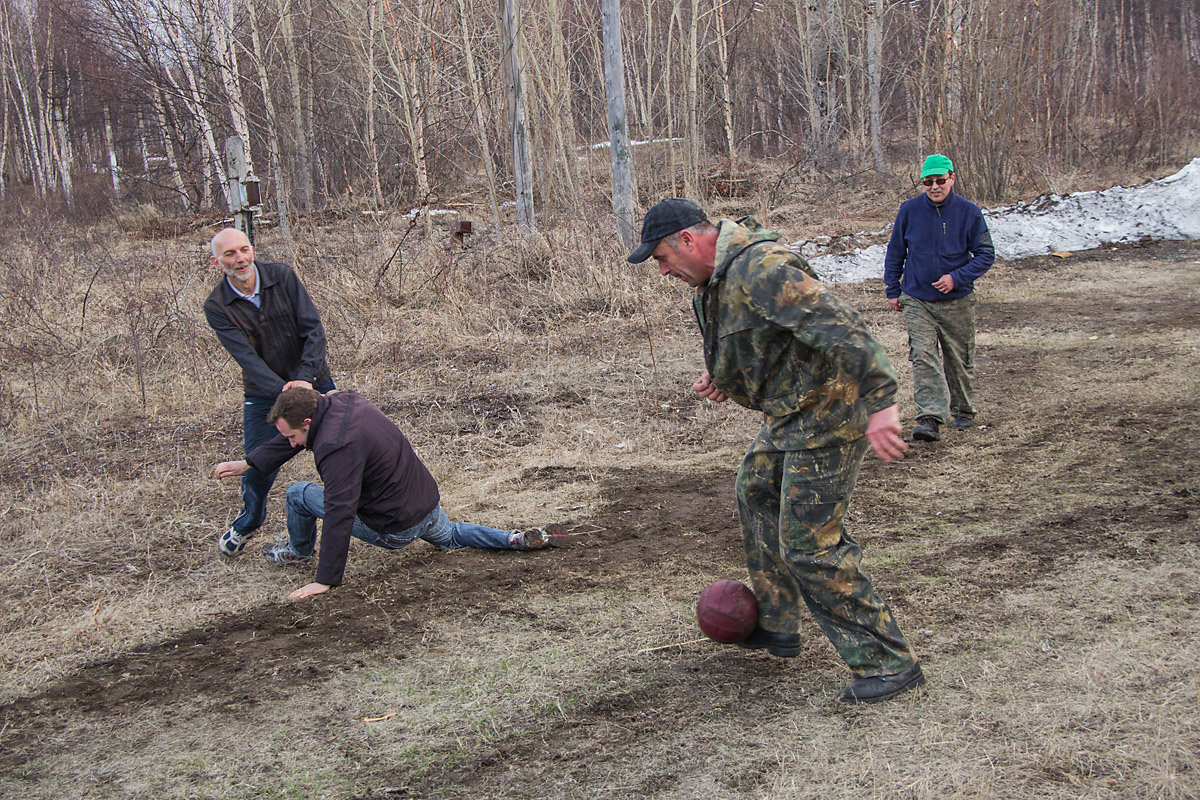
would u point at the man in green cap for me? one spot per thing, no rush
(777, 341)
(940, 245)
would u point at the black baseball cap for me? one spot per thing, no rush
(666, 217)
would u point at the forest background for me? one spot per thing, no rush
(400, 105)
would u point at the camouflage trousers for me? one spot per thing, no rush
(791, 504)
(941, 347)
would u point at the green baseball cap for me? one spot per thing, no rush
(936, 165)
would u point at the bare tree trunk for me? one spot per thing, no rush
(614, 87)
(414, 114)
(3, 133)
(481, 129)
(372, 145)
(113, 170)
(812, 25)
(691, 178)
(34, 152)
(282, 204)
(1189, 31)
(668, 93)
(561, 107)
(169, 148)
(171, 28)
(723, 69)
(61, 137)
(875, 10)
(226, 58)
(300, 127)
(522, 164)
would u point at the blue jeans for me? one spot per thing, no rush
(256, 485)
(306, 504)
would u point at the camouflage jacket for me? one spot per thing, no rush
(777, 341)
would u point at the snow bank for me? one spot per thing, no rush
(1164, 209)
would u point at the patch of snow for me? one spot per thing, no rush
(1166, 209)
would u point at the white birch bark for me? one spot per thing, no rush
(225, 54)
(114, 170)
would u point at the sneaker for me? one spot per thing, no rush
(881, 687)
(281, 553)
(927, 430)
(537, 538)
(961, 423)
(232, 542)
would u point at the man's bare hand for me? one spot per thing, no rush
(944, 284)
(707, 389)
(294, 384)
(894, 302)
(883, 434)
(230, 469)
(308, 591)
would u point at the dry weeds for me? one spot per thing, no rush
(1045, 564)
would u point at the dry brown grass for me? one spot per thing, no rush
(1044, 565)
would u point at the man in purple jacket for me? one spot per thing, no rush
(940, 245)
(376, 489)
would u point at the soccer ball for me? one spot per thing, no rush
(727, 611)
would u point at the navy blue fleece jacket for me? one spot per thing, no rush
(929, 241)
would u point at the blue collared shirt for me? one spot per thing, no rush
(253, 296)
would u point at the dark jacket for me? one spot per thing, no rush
(369, 469)
(777, 341)
(282, 340)
(929, 241)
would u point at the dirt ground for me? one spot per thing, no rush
(1044, 565)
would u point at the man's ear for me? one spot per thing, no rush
(687, 239)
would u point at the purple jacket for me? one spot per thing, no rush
(369, 469)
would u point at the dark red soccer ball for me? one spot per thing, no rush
(727, 611)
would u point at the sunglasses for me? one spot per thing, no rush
(932, 181)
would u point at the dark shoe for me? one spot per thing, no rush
(927, 430)
(281, 553)
(881, 687)
(961, 423)
(537, 538)
(783, 645)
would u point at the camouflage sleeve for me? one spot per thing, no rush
(788, 296)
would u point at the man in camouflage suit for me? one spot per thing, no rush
(776, 341)
(940, 245)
